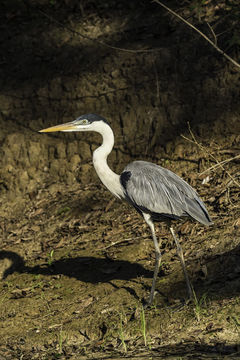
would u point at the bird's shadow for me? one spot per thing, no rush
(87, 269)
(223, 279)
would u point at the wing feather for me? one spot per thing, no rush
(157, 190)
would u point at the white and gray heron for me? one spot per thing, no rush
(155, 192)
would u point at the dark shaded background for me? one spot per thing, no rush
(51, 74)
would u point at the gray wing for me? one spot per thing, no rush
(156, 190)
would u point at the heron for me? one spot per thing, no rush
(157, 193)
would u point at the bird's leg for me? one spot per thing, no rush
(181, 257)
(158, 256)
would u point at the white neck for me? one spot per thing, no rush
(109, 178)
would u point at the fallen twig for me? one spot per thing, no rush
(194, 141)
(220, 163)
(119, 242)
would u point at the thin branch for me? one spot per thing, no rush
(199, 32)
(213, 33)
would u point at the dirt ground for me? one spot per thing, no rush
(76, 264)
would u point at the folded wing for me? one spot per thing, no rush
(156, 190)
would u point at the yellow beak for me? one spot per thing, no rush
(64, 127)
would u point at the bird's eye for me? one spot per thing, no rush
(84, 122)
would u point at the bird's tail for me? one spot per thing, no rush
(197, 211)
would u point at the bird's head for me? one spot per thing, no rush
(87, 122)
